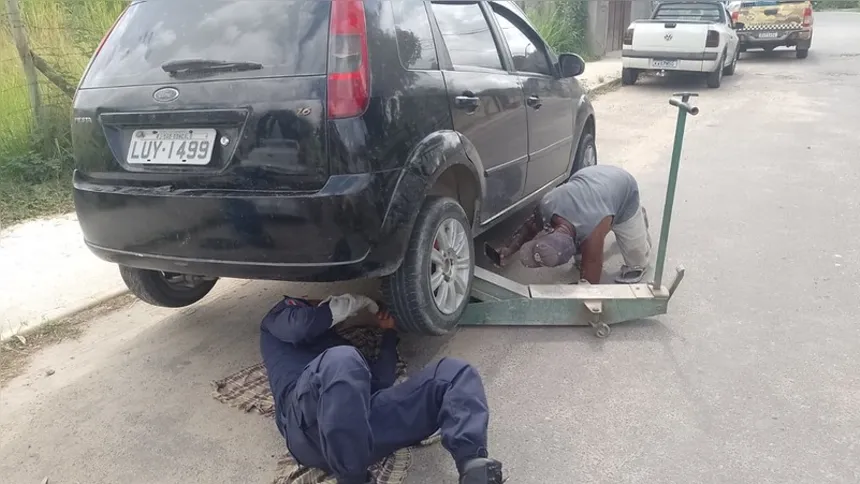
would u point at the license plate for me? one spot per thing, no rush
(663, 64)
(171, 147)
(768, 35)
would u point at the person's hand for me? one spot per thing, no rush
(499, 257)
(505, 256)
(385, 320)
(348, 305)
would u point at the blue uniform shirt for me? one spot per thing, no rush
(294, 333)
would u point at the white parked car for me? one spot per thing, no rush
(688, 36)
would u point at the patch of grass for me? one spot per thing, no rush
(19, 202)
(851, 5)
(17, 352)
(35, 161)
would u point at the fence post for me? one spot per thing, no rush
(22, 43)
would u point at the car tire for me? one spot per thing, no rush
(629, 76)
(730, 70)
(802, 53)
(156, 288)
(586, 153)
(409, 294)
(715, 79)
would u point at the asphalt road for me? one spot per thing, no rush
(754, 376)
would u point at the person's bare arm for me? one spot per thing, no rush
(592, 252)
(526, 232)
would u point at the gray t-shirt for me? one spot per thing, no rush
(592, 194)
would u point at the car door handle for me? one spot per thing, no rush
(467, 102)
(534, 101)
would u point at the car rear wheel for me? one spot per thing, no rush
(629, 76)
(165, 289)
(586, 153)
(715, 79)
(430, 290)
(730, 70)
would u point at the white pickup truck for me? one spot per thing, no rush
(689, 36)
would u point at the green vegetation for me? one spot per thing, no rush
(35, 161)
(836, 4)
(562, 24)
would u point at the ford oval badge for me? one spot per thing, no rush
(166, 94)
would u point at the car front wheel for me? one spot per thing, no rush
(165, 289)
(430, 290)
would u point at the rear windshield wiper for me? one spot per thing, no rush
(191, 66)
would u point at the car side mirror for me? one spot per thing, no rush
(570, 65)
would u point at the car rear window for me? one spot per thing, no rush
(288, 37)
(708, 12)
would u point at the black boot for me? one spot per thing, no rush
(481, 471)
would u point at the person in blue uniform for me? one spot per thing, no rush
(340, 413)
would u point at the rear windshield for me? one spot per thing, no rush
(288, 37)
(707, 12)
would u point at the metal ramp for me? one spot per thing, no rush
(503, 302)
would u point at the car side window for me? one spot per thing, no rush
(414, 36)
(467, 35)
(528, 57)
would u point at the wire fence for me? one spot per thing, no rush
(44, 47)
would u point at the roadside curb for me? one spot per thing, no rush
(605, 86)
(64, 313)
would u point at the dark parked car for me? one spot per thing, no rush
(307, 140)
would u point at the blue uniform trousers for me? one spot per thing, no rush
(333, 422)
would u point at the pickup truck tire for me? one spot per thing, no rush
(802, 53)
(162, 289)
(715, 79)
(629, 76)
(409, 293)
(730, 70)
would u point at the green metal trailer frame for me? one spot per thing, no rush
(503, 302)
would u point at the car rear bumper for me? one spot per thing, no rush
(784, 38)
(328, 235)
(677, 61)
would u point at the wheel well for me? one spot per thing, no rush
(458, 183)
(590, 126)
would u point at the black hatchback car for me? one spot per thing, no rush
(309, 140)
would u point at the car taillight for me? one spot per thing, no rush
(735, 16)
(713, 39)
(807, 17)
(628, 37)
(348, 71)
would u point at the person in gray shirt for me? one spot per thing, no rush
(575, 217)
